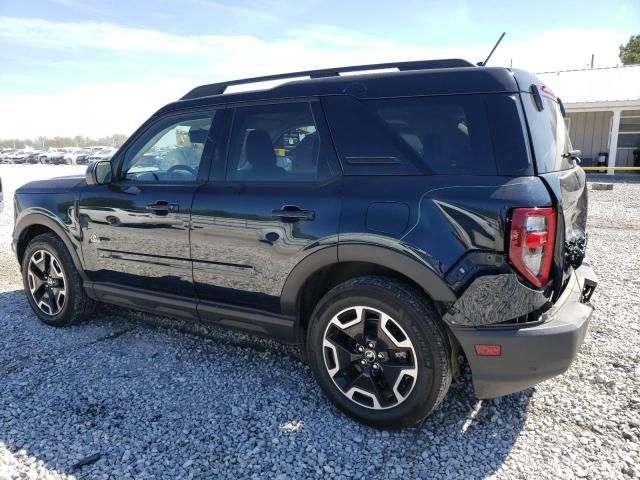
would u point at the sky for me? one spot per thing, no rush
(99, 67)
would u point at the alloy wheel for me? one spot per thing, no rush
(47, 282)
(369, 357)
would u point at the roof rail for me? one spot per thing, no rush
(219, 88)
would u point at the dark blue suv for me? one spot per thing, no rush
(389, 223)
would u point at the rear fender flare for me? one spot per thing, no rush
(434, 286)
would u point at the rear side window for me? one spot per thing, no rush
(278, 142)
(428, 135)
(548, 134)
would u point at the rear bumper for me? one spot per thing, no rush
(531, 354)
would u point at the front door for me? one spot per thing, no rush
(136, 228)
(277, 202)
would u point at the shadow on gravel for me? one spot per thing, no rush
(151, 397)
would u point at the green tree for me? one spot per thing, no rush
(630, 53)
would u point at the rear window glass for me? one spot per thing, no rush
(548, 133)
(430, 135)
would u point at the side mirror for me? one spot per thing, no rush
(98, 173)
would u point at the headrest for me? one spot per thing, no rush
(198, 135)
(259, 149)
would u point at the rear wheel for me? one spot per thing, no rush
(52, 283)
(379, 351)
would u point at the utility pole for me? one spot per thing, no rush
(592, 57)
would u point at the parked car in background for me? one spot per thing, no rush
(72, 154)
(21, 156)
(82, 156)
(53, 156)
(34, 156)
(5, 155)
(104, 154)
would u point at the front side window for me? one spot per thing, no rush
(170, 151)
(278, 142)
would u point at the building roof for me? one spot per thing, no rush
(612, 84)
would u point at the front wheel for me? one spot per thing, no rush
(52, 284)
(379, 351)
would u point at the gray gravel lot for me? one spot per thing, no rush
(158, 398)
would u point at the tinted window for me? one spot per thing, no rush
(365, 143)
(508, 133)
(170, 150)
(277, 142)
(434, 135)
(548, 133)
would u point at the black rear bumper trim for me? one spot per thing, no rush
(533, 354)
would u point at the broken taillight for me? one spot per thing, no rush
(531, 243)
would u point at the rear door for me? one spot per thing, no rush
(562, 174)
(276, 202)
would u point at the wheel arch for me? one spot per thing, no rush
(322, 270)
(31, 225)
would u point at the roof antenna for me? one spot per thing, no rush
(484, 64)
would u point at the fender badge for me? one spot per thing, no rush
(94, 238)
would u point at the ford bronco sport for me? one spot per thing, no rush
(389, 223)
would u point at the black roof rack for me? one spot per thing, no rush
(219, 88)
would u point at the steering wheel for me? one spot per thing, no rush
(181, 168)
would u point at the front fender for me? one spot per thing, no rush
(68, 231)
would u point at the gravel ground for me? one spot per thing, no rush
(158, 398)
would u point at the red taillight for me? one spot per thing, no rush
(531, 242)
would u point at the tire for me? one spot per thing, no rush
(48, 271)
(410, 346)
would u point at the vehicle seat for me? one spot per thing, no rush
(198, 135)
(304, 157)
(262, 158)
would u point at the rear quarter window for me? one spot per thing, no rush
(418, 135)
(509, 135)
(549, 134)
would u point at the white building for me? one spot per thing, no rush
(603, 111)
